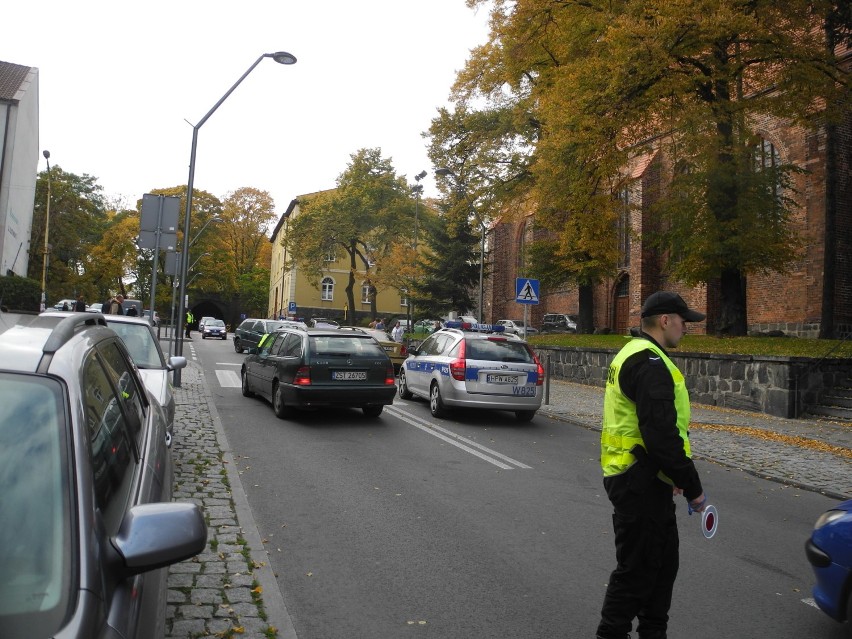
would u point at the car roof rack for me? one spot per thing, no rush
(68, 327)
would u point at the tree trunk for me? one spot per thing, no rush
(586, 319)
(732, 320)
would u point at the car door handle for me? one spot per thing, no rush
(168, 439)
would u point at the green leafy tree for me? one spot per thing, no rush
(363, 217)
(78, 217)
(449, 271)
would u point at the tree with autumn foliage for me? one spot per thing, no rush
(364, 217)
(590, 85)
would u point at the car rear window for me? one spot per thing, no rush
(345, 346)
(502, 350)
(35, 540)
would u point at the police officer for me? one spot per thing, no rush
(646, 461)
(190, 318)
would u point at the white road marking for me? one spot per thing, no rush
(228, 364)
(811, 602)
(228, 379)
(456, 440)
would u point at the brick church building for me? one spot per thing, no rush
(790, 302)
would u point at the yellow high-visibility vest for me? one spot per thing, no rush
(620, 430)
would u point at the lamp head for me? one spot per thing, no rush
(282, 57)
(420, 176)
(46, 154)
(444, 172)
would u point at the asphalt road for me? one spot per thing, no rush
(477, 526)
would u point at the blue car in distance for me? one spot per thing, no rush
(829, 550)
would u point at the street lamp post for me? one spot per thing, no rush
(417, 189)
(43, 305)
(445, 172)
(281, 57)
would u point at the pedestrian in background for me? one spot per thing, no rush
(646, 461)
(80, 304)
(113, 306)
(397, 332)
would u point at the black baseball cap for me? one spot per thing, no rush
(667, 302)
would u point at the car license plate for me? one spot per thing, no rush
(389, 349)
(349, 375)
(501, 379)
(524, 391)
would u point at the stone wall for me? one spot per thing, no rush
(780, 386)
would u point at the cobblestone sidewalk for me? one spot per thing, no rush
(228, 590)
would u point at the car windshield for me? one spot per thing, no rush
(212, 323)
(140, 343)
(36, 540)
(274, 326)
(498, 350)
(345, 346)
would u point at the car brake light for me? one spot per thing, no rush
(539, 370)
(390, 378)
(303, 376)
(458, 365)
(403, 350)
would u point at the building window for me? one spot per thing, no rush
(767, 159)
(366, 288)
(327, 289)
(624, 229)
(331, 255)
(403, 297)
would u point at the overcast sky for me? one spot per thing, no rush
(120, 82)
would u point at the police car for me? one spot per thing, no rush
(468, 365)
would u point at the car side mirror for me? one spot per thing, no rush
(153, 536)
(412, 351)
(176, 362)
(252, 350)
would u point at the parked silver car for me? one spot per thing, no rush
(456, 368)
(141, 340)
(86, 479)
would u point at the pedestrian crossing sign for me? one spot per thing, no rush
(526, 291)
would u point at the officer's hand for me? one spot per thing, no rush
(698, 504)
(677, 491)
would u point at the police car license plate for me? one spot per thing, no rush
(501, 379)
(349, 375)
(523, 391)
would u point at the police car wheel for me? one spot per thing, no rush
(404, 393)
(436, 404)
(237, 346)
(524, 415)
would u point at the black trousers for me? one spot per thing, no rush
(646, 552)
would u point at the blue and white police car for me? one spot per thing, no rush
(468, 365)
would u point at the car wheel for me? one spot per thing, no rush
(404, 393)
(237, 346)
(224, 337)
(278, 405)
(372, 411)
(524, 415)
(436, 404)
(245, 384)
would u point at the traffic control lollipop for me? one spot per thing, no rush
(709, 518)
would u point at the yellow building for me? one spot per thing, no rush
(288, 286)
